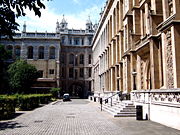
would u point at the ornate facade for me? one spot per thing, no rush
(63, 58)
(135, 51)
(76, 58)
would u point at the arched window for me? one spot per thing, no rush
(62, 58)
(17, 51)
(52, 52)
(41, 52)
(30, 52)
(10, 49)
(71, 59)
(89, 59)
(81, 59)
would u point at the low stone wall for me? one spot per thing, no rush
(162, 106)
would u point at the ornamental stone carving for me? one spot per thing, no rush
(169, 60)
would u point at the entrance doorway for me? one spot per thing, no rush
(76, 90)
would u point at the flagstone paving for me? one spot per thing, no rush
(78, 117)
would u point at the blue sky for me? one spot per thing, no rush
(76, 13)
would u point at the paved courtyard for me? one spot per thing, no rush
(78, 117)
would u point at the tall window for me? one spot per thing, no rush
(41, 52)
(71, 59)
(30, 52)
(81, 59)
(63, 72)
(70, 41)
(89, 73)
(51, 71)
(82, 41)
(40, 73)
(81, 74)
(89, 59)
(90, 40)
(71, 72)
(63, 58)
(76, 41)
(63, 40)
(17, 51)
(76, 73)
(52, 52)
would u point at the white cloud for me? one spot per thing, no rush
(49, 17)
(76, 1)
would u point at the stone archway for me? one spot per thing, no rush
(76, 90)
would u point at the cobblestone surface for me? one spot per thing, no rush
(79, 117)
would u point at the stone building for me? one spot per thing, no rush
(63, 58)
(39, 49)
(135, 51)
(75, 58)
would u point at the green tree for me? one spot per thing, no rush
(12, 9)
(21, 76)
(55, 92)
(4, 56)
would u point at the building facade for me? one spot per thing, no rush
(39, 49)
(75, 59)
(63, 58)
(135, 51)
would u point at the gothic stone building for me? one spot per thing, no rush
(136, 51)
(63, 58)
(75, 58)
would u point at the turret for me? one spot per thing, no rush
(57, 27)
(24, 27)
(89, 25)
(63, 24)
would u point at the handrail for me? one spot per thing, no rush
(101, 101)
(112, 96)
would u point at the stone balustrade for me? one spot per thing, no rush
(165, 97)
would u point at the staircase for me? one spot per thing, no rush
(123, 108)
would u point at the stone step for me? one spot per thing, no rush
(120, 109)
(125, 115)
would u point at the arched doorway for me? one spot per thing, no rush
(76, 90)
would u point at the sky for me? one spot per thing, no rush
(75, 12)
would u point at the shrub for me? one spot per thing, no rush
(44, 98)
(55, 92)
(23, 102)
(7, 106)
(29, 102)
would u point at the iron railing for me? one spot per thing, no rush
(110, 97)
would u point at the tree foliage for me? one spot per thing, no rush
(21, 76)
(4, 56)
(10, 9)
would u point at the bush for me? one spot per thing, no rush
(55, 92)
(23, 102)
(29, 102)
(44, 98)
(7, 106)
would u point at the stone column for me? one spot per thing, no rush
(176, 52)
(35, 52)
(23, 51)
(154, 65)
(138, 77)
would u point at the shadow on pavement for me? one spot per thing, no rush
(9, 125)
